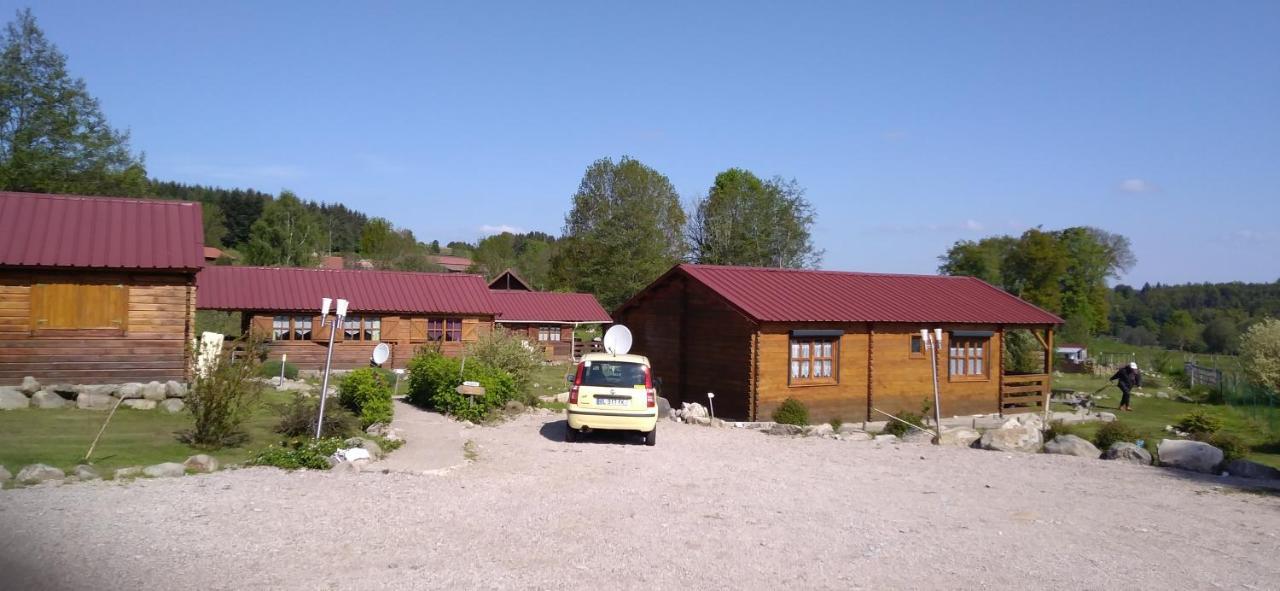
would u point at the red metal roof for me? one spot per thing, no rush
(38, 230)
(452, 263)
(539, 306)
(796, 295)
(300, 290)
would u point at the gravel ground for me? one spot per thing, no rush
(706, 508)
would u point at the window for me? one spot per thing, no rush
(291, 328)
(70, 307)
(548, 333)
(613, 374)
(813, 360)
(362, 328)
(968, 357)
(444, 329)
(917, 346)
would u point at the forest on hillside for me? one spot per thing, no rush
(1201, 317)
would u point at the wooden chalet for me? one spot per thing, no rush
(404, 310)
(510, 281)
(548, 319)
(97, 290)
(844, 344)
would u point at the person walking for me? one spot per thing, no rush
(1127, 378)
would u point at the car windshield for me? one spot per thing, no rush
(612, 374)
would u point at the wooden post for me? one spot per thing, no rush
(1048, 372)
(871, 370)
(999, 360)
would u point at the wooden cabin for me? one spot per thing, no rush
(547, 319)
(847, 345)
(97, 290)
(404, 310)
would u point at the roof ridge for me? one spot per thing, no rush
(819, 271)
(377, 271)
(66, 197)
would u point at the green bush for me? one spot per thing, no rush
(1114, 432)
(312, 454)
(1200, 423)
(1057, 428)
(434, 379)
(506, 351)
(271, 369)
(298, 419)
(222, 400)
(791, 412)
(367, 394)
(835, 423)
(901, 429)
(1232, 446)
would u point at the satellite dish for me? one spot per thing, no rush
(617, 340)
(381, 353)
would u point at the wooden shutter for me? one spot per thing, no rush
(260, 326)
(390, 329)
(70, 306)
(469, 329)
(418, 330)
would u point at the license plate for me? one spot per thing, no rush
(611, 401)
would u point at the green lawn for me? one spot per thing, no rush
(1150, 415)
(549, 379)
(60, 438)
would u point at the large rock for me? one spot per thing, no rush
(175, 389)
(37, 473)
(86, 401)
(785, 430)
(47, 399)
(1247, 469)
(173, 405)
(100, 389)
(66, 390)
(5, 476)
(154, 391)
(201, 463)
(1196, 456)
(385, 431)
(1072, 445)
(693, 409)
(368, 445)
(130, 472)
(822, 430)
(86, 472)
(664, 407)
(139, 404)
(165, 470)
(959, 437)
(1127, 452)
(1021, 438)
(13, 399)
(29, 385)
(130, 390)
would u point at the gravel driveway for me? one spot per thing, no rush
(706, 508)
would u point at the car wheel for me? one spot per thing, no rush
(651, 438)
(570, 434)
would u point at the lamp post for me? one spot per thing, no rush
(328, 359)
(933, 342)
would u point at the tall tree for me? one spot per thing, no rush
(626, 227)
(744, 220)
(378, 240)
(53, 135)
(214, 229)
(287, 234)
(983, 259)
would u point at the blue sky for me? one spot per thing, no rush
(912, 125)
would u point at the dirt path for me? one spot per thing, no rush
(432, 442)
(706, 508)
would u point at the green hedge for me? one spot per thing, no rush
(367, 394)
(434, 379)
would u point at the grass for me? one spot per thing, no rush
(1150, 415)
(60, 438)
(549, 379)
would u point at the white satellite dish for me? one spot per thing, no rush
(617, 340)
(381, 353)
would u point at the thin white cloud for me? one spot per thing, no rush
(1136, 186)
(488, 230)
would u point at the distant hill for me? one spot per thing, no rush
(1199, 317)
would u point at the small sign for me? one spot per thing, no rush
(471, 389)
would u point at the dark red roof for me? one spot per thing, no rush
(796, 295)
(540, 306)
(509, 279)
(38, 230)
(452, 263)
(300, 290)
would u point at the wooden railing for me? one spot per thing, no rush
(1024, 393)
(581, 347)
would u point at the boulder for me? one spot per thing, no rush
(664, 407)
(5, 476)
(1072, 445)
(139, 404)
(1031, 419)
(918, 436)
(37, 473)
(88, 401)
(1106, 417)
(173, 405)
(100, 389)
(1022, 439)
(29, 385)
(130, 472)
(154, 391)
(785, 430)
(886, 438)
(85, 472)
(703, 421)
(47, 399)
(165, 470)
(822, 430)
(959, 437)
(201, 463)
(66, 390)
(1196, 456)
(368, 445)
(693, 409)
(130, 390)
(13, 399)
(1247, 469)
(1127, 452)
(175, 389)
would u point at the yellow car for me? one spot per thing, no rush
(614, 393)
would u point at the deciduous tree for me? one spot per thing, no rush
(744, 220)
(287, 234)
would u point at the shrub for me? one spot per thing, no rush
(1232, 446)
(221, 400)
(791, 412)
(835, 423)
(506, 351)
(1260, 353)
(1114, 432)
(434, 378)
(271, 369)
(901, 429)
(367, 394)
(298, 454)
(1057, 428)
(298, 419)
(1200, 423)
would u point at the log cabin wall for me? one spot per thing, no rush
(151, 344)
(846, 399)
(556, 351)
(903, 381)
(404, 334)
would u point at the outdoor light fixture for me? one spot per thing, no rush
(328, 358)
